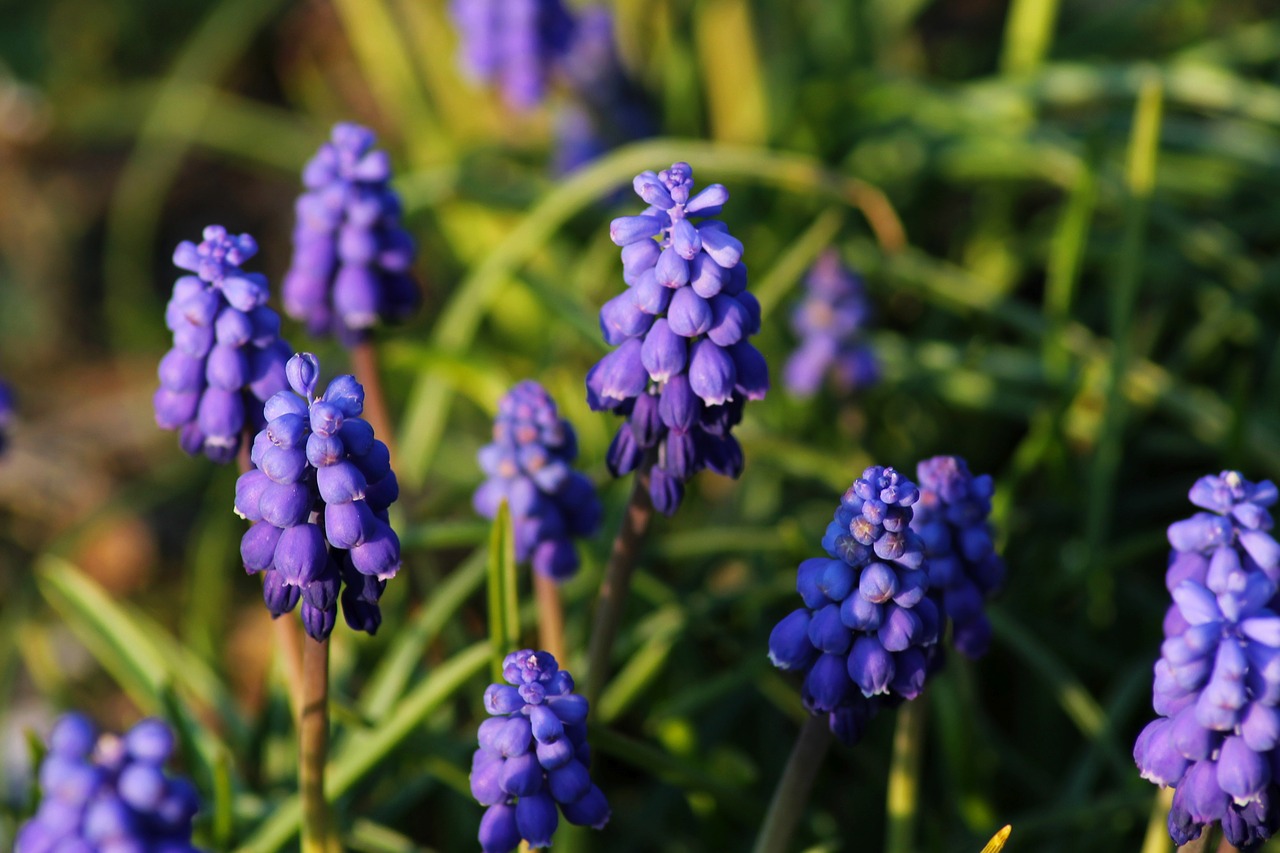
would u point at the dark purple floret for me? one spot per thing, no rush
(529, 465)
(318, 496)
(683, 367)
(867, 628)
(227, 356)
(513, 45)
(828, 323)
(352, 260)
(6, 413)
(1217, 682)
(109, 793)
(533, 758)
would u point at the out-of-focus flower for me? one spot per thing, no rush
(827, 322)
(227, 356)
(513, 45)
(683, 367)
(528, 464)
(108, 793)
(352, 260)
(533, 758)
(6, 414)
(318, 498)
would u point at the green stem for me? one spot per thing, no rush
(1157, 838)
(792, 791)
(313, 747)
(904, 778)
(616, 583)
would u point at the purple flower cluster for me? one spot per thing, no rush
(683, 366)
(964, 568)
(513, 44)
(352, 260)
(318, 498)
(827, 323)
(867, 627)
(528, 465)
(1217, 682)
(6, 413)
(227, 356)
(109, 794)
(533, 756)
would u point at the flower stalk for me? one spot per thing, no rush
(313, 748)
(904, 778)
(792, 791)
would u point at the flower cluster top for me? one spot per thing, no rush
(109, 793)
(318, 496)
(514, 45)
(828, 322)
(683, 366)
(227, 356)
(352, 260)
(533, 756)
(528, 464)
(1217, 682)
(867, 626)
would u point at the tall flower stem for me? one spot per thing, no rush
(1157, 838)
(364, 363)
(550, 616)
(792, 791)
(313, 749)
(904, 778)
(617, 582)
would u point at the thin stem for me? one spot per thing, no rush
(313, 748)
(1157, 838)
(364, 362)
(792, 791)
(550, 617)
(904, 778)
(616, 583)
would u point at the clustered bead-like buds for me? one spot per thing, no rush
(109, 794)
(529, 465)
(867, 630)
(964, 568)
(227, 356)
(1217, 682)
(318, 498)
(352, 260)
(683, 367)
(533, 756)
(6, 413)
(513, 44)
(827, 322)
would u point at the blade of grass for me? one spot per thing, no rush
(1027, 35)
(502, 603)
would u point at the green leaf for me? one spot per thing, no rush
(504, 609)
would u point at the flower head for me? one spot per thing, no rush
(828, 322)
(227, 356)
(513, 45)
(352, 260)
(533, 757)
(528, 464)
(683, 366)
(318, 498)
(1217, 682)
(102, 792)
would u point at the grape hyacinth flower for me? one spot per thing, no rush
(6, 414)
(227, 356)
(352, 260)
(528, 465)
(318, 496)
(827, 323)
(964, 569)
(108, 793)
(683, 367)
(1217, 682)
(533, 756)
(867, 628)
(513, 45)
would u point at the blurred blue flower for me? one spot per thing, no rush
(352, 260)
(683, 366)
(533, 757)
(227, 356)
(528, 464)
(1217, 682)
(318, 496)
(828, 322)
(513, 45)
(6, 413)
(106, 793)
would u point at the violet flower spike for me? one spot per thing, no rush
(828, 323)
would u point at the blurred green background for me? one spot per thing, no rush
(1085, 307)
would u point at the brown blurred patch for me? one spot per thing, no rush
(119, 551)
(249, 650)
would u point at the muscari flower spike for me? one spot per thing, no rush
(533, 756)
(964, 568)
(6, 414)
(1217, 682)
(318, 498)
(352, 260)
(827, 322)
(867, 630)
(528, 464)
(513, 45)
(683, 367)
(227, 356)
(109, 794)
